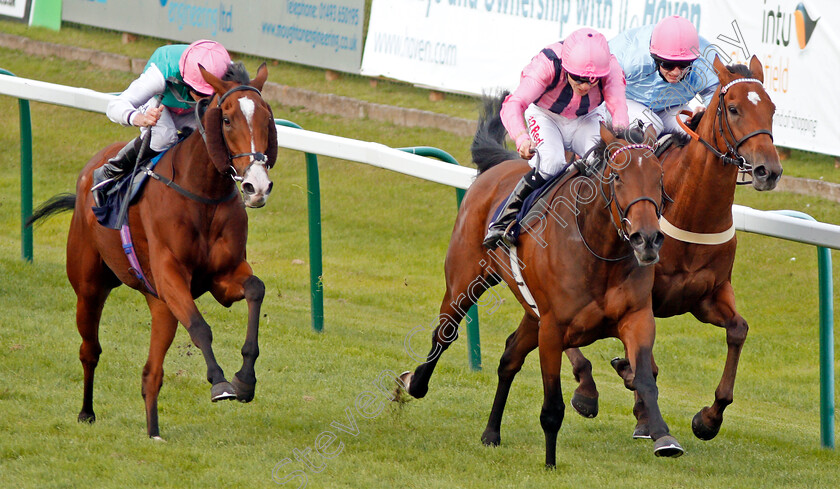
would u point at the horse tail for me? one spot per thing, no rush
(488, 147)
(57, 204)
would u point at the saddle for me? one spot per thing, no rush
(128, 187)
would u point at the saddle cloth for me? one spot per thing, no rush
(130, 187)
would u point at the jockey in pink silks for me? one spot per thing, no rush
(559, 95)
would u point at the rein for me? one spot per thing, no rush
(732, 156)
(621, 225)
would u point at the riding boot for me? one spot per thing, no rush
(498, 228)
(114, 169)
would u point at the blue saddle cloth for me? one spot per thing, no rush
(131, 186)
(533, 198)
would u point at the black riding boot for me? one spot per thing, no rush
(115, 168)
(498, 228)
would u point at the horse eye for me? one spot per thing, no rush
(226, 120)
(733, 110)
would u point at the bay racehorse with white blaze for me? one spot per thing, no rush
(574, 295)
(187, 242)
(694, 274)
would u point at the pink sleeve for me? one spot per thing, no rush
(614, 96)
(532, 83)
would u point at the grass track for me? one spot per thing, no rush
(385, 236)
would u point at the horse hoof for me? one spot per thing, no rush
(401, 389)
(702, 430)
(222, 391)
(157, 438)
(642, 432)
(667, 446)
(89, 418)
(491, 438)
(619, 364)
(585, 406)
(244, 392)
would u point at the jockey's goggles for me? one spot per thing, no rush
(669, 65)
(583, 79)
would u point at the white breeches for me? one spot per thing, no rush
(554, 134)
(165, 132)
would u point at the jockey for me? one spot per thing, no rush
(162, 101)
(558, 94)
(662, 75)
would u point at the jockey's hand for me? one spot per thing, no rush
(527, 149)
(149, 118)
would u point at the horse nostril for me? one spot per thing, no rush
(636, 240)
(760, 172)
(248, 188)
(270, 186)
(658, 239)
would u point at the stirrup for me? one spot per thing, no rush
(495, 236)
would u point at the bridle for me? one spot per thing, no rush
(618, 218)
(259, 158)
(732, 156)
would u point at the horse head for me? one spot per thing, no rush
(634, 177)
(745, 121)
(239, 131)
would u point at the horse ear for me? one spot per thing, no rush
(650, 135)
(271, 151)
(214, 81)
(262, 76)
(606, 135)
(756, 69)
(215, 141)
(722, 71)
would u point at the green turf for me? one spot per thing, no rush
(385, 237)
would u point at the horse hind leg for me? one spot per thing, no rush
(468, 287)
(518, 345)
(585, 397)
(623, 369)
(88, 315)
(164, 326)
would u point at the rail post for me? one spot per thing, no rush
(25, 174)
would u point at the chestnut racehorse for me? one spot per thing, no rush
(188, 241)
(585, 260)
(694, 274)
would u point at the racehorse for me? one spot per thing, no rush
(581, 270)
(188, 241)
(694, 273)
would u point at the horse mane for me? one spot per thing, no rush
(236, 72)
(680, 138)
(488, 147)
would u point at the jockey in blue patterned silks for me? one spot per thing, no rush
(663, 72)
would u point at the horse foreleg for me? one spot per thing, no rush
(553, 408)
(721, 312)
(622, 368)
(164, 326)
(637, 332)
(585, 397)
(244, 284)
(518, 345)
(174, 289)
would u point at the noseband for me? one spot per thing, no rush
(259, 158)
(732, 156)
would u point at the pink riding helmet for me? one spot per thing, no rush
(586, 53)
(209, 54)
(674, 38)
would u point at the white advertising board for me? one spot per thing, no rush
(479, 46)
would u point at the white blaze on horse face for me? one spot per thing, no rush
(754, 97)
(247, 106)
